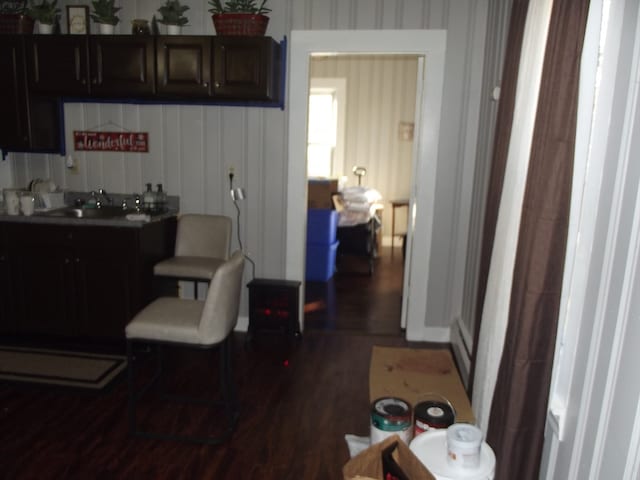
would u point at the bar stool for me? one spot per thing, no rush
(203, 243)
(197, 324)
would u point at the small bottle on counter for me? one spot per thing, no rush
(149, 199)
(161, 199)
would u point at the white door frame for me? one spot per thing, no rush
(432, 45)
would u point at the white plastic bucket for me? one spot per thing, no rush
(463, 446)
(431, 449)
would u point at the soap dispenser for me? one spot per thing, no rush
(149, 199)
(161, 199)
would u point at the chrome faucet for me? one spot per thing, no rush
(104, 196)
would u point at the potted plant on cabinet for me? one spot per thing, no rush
(46, 13)
(14, 17)
(239, 17)
(172, 14)
(104, 14)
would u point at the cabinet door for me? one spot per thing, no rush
(14, 121)
(184, 66)
(41, 267)
(246, 68)
(122, 65)
(58, 64)
(46, 116)
(104, 283)
(44, 291)
(6, 294)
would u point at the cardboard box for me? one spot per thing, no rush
(369, 464)
(320, 191)
(410, 373)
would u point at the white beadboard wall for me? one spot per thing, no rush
(193, 146)
(381, 93)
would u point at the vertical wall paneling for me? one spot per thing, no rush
(497, 21)
(473, 73)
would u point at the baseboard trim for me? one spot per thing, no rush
(431, 334)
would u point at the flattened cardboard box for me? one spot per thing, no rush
(410, 373)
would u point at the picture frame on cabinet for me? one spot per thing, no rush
(78, 20)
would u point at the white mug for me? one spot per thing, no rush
(11, 202)
(27, 203)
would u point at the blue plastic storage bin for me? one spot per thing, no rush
(322, 225)
(321, 261)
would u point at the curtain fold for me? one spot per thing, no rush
(518, 412)
(504, 121)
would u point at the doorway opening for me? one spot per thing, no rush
(362, 109)
(429, 46)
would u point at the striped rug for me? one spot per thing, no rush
(59, 367)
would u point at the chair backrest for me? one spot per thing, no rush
(202, 235)
(220, 313)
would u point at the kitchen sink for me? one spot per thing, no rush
(105, 212)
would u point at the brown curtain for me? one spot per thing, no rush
(518, 413)
(501, 139)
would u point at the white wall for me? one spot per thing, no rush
(193, 146)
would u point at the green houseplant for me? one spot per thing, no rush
(46, 13)
(239, 17)
(14, 17)
(172, 15)
(105, 15)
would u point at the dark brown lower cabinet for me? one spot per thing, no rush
(82, 281)
(6, 319)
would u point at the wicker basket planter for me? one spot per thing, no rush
(246, 24)
(14, 23)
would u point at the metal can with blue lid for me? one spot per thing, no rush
(390, 416)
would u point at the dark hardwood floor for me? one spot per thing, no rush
(354, 301)
(297, 400)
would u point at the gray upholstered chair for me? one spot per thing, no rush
(203, 243)
(193, 323)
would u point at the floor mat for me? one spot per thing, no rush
(59, 367)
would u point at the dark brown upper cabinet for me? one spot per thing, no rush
(122, 66)
(246, 68)
(29, 122)
(14, 121)
(184, 66)
(58, 65)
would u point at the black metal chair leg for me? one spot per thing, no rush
(131, 386)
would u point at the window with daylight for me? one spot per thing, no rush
(326, 100)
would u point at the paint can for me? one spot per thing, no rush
(433, 412)
(390, 416)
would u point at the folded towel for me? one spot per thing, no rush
(138, 217)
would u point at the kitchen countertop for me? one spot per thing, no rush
(42, 218)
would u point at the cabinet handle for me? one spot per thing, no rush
(66, 261)
(205, 84)
(217, 84)
(77, 260)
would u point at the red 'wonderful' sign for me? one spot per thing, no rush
(111, 141)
